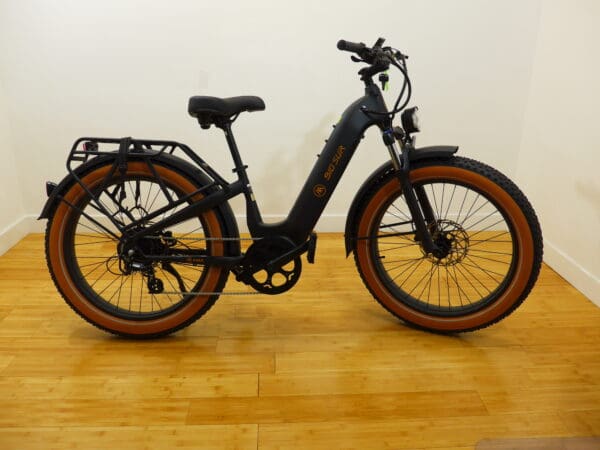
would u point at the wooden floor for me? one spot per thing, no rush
(323, 366)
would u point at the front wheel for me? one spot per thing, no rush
(489, 239)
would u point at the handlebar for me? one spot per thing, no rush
(353, 47)
(379, 59)
(370, 55)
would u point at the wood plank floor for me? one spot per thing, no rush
(322, 366)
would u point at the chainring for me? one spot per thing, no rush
(257, 270)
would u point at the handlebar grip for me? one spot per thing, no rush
(355, 47)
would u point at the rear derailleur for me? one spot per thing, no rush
(136, 261)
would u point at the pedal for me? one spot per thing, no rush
(312, 247)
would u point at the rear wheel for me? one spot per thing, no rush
(134, 296)
(488, 234)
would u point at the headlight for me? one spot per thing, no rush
(410, 120)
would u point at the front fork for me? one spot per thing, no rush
(415, 197)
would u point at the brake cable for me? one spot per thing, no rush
(406, 86)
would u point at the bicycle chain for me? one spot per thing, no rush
(206, 293)
(207, 239)
(203, 239)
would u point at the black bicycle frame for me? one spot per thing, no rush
(317, 189)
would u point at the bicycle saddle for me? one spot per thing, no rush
(224, 107)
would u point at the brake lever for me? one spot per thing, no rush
(357, 60)
(396, 53)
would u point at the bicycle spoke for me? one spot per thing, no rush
(401, 212)
(98, 230)
(419, 282)
(473, 214)
(489, 259)
(436, 268)
(487, 272)
(409, 264)
(439, 288)
(459, 288)
(437, 213)
(93, 243)
(130, 290)
(487, 228)
(476, 279)
(109, 285)
(125, 288)
(119, 291)
(399, 236)
(141, 293)
(399, 247)
(476, 251)
(81, 266)
(491, 251)
(469, 281)
(397, 242)
(481, 220)
(461, 205)
(448, 287)
(148, 196)
(490, 239)
(401, 260)
(100, 264)
(409, 275)
(169, 281)
(477, 266)
(450, 202)
(442, 201)
(470, 209)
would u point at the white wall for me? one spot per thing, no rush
(116, 68)
(12, 226)
(559, 164)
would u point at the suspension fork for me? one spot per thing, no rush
(415, 197)
(426, 207)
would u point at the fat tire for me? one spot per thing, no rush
(497, 178)
(221, 212)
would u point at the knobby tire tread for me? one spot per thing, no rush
(208, 305)
(507, 185)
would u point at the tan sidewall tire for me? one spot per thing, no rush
(86, 308)
(490, 313)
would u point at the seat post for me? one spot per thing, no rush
(240, 168)
(253, 213)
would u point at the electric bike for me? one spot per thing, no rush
(141, 239)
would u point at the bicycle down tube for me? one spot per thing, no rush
(326, 173)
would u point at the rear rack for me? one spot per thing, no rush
(86, 147)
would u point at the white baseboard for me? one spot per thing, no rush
(36, 226)
(14, 232)
(572, 271)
